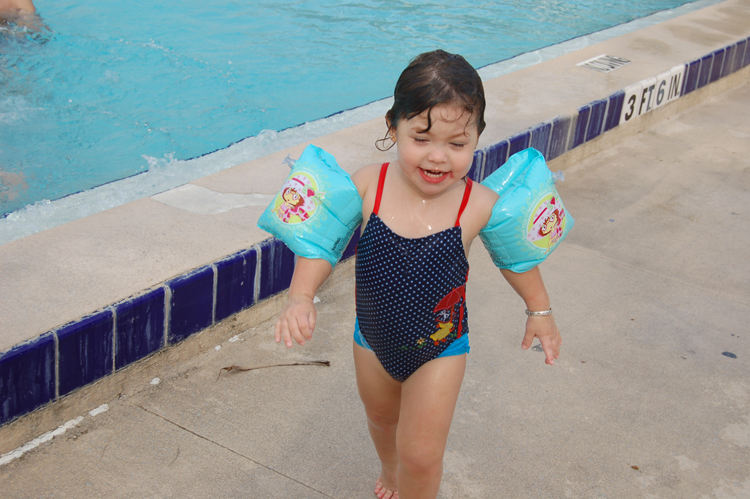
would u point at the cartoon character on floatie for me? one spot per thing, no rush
(298, 199)
(548, 223)
(445, 311)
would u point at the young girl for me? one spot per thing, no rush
(420, 215)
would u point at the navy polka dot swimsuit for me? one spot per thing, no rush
(411, 293)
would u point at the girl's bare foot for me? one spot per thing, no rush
(383, 492)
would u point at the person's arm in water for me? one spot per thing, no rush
(297, 318)
(530, 288)
(14, 6)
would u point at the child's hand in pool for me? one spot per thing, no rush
(544, 328)
(297, 320)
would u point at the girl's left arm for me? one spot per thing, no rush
(530, 288)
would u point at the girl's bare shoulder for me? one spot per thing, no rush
(484, 197)
(365, 177)
(480, 206)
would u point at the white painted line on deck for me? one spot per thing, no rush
(102, 408)
(15, 454)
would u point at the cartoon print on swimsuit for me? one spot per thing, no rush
(444, 316)
(445, 311)
(546, 223)
(298, 199)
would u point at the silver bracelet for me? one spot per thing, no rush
(543, 312)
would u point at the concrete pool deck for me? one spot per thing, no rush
(96, 264)
(650, 398)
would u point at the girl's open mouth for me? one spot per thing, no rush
(433, 176)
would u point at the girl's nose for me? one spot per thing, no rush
(437, 155)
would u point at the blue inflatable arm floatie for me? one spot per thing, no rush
(528, 220)
(317, 209)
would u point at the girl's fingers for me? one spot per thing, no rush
(551, 347)
(311, 319)
(528, 338)
(549, 352)
(296, 323)
(277, 331)
(294, 331)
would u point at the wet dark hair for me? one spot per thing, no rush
(432, 79)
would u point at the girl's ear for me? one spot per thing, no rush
(391, 127)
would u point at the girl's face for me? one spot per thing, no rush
(437, 159)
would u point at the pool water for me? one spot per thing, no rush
(112, 88)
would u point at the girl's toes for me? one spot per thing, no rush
(383, 492)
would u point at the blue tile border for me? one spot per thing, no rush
(596, 120)
(191, 304)
(717, 65)
(690, 82)
(58, 362)
(27, 377)
(582, 123)
(739, 55)
(558, 140)
(477, 166)
(235, 284)
(85, 351)
(540, 136)
(519, 142)
(139, 327)
(614, 110)
(705, 74)
(495, 156)
(276, 268)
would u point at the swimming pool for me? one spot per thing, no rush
(116, 89)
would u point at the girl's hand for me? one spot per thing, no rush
(544, 328)
(297, 320)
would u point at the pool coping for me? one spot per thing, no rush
(50, 363)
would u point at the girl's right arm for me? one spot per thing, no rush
(297, 318)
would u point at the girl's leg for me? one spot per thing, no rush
(381, 395)
(428, 400)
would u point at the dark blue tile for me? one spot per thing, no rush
(140, 327)
(519, 142)
(706, 65)
(691, 77)
(614, 110)
(558, 140)
(477, 165)
(85, 350)
(581, 126)
(540, 137)
(27, 377)
(596, 120)
(235, 283)
(740, 56)
(729, 67)
(746, 62)
(276, 267)
(192, 303)
(351, 248)
(718, 64)
(495, 156)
